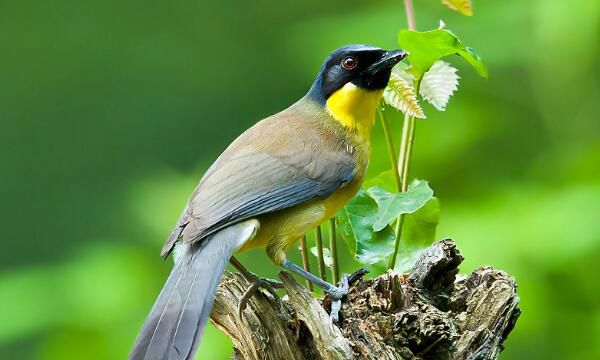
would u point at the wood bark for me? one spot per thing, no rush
(432, 313)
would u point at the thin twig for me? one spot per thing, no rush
(409, 148)
(403, 146)
(390, 146)
(335, 271)
(320, 257)
(432, 345)
(305, 261)
(406, 144)
(403, 161)
(410, 14)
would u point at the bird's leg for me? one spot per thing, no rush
(251, 277)
(335, 292)
(256, 283)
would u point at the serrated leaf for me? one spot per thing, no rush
(355, 224)
(392, 205)
(327, 259)
(438, 84)
(427, 47)
(462, 6)
(418, 233)
(402, 69)
(400, 94)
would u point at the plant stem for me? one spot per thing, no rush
(401, 169)
(406, 163)
(397, 175)
(390, 146)
(406, 145)
(410, 14)
(335, 271)
(403, 149)
(305, 261)
(320, 257)
(408, 138)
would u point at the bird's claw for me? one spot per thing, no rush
(257, 283)
(336, 294)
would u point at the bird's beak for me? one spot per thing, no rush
(387, 61)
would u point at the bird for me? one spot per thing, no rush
(282, 177)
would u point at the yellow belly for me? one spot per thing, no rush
(279, 231)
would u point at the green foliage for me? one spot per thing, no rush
(392, 205)
(435, 79)
(384, 180)
(366, 222)
(413, 210)
(427, 47)
(356, 221)
(419, 231)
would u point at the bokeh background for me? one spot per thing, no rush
(110, 111)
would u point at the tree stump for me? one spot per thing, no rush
(430, 314)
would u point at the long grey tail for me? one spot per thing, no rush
(173, 329)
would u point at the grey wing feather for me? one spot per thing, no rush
(284, 197)
(250, 192)
(268, 186)
(257, 176)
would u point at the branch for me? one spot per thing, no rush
(431, 314)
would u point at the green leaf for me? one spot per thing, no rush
(392, 205)
(355, 223)
(427, 47)
(376, 249)
(462, 6)
(327, 259)
(418, 234)
(385, 180)
(420, 227)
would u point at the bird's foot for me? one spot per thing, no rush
(337, 293)
(256, 283)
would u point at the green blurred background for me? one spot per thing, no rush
(111, 110)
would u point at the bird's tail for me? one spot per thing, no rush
(173, 329)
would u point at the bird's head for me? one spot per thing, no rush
(351, 82)
(363, 66)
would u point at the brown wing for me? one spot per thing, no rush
(285, 160)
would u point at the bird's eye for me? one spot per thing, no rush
(349, 63)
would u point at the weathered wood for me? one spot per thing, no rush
(487, 309)
(263, 331)
(431, 314)
(326, 337)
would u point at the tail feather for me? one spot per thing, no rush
(176, 322)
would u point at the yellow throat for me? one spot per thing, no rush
(355, 108)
